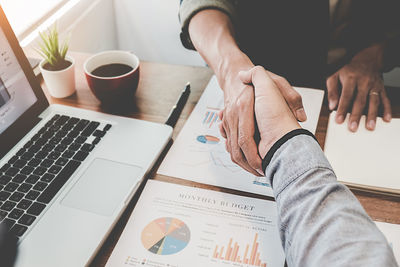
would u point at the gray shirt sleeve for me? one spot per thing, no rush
(189, 8)
(321, 223)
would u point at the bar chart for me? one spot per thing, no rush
(232, 252)
(211, 117)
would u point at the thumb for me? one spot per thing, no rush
(246, 76)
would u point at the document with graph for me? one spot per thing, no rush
(199, 154)
(179, 226)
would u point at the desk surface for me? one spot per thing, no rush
(158, 90)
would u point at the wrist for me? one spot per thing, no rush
(268, 139)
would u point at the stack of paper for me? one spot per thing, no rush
(365, 159)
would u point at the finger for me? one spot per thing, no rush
(387, 108)
(246, 132)
(358, 107)
(345, 99)
(332, 85)
(292, 97)
(372, 111)
(221, 114)
(222, 130)
(245, 76)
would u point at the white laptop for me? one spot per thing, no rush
(66, 173)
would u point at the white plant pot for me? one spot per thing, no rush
(59, 83)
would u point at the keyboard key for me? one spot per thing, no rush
(90, 128)
(47, 135)
(67, 141)
(49, 147)
(41, 141)
(99, 133)
(61, 161)
(73, 120)
(35, 137)
(34, 162)
(32, 179)
(12, 171)
(27, 219)
(42, 154)
(3, 214)
(54, 169)
(27, 170)
(55, 117)
(81, 139)
(11, 187)
(39, 171)
(107, 127)
(55, 128)
(19, 178)
(13, 159)
(5, 167)
(5, 179)
(47, 163)
(33, 149)
(61, 120)
(4, 195)
(24, 204)
(87, 147)
(73, 134)
(59, 181)
(81, 155)
(81, 125)
(18, 230)
(40, 186)
(61, 134)
(8, 205)
(54, 155)
(24, 188)
(20, 152)
(68, 154)
(19, 163)
(28, 144)
(9, 223)
(74, 146)
(54, 141)
(15, 214)
(96, 141)
(36, 209)
(32, 195)
(47, 177)
(16, 196)
(60, 148)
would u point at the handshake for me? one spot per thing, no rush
(260, 103)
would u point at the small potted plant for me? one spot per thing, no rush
(56, 67)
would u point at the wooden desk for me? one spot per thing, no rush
(159, 87)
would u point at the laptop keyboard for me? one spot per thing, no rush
(34, 175)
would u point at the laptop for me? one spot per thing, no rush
(66, 174)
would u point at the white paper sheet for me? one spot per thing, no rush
(179, 226)
(366, 157)
(392, 234)
(199, 154)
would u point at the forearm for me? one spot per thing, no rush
(320, 220)
(212, 35)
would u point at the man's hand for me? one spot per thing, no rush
(238, 124)
(362, 81)
(272, 113)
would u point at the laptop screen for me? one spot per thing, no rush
(16, 93)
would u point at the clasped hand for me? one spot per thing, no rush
(263, 98)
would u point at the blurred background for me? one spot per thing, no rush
(149, 28)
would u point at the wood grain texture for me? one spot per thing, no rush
(159, 87)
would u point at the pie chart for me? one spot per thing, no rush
(165, 236)
(207, 139)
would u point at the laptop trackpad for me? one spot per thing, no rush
(102, 187)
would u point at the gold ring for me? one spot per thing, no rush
(373, 93)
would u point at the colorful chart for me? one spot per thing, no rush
(208, 139)
(251, 256)
(211, 117)
(165, 236)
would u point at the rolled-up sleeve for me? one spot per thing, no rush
(189, 8)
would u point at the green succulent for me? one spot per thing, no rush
(51, 50)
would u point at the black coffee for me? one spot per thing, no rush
(111, 70)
